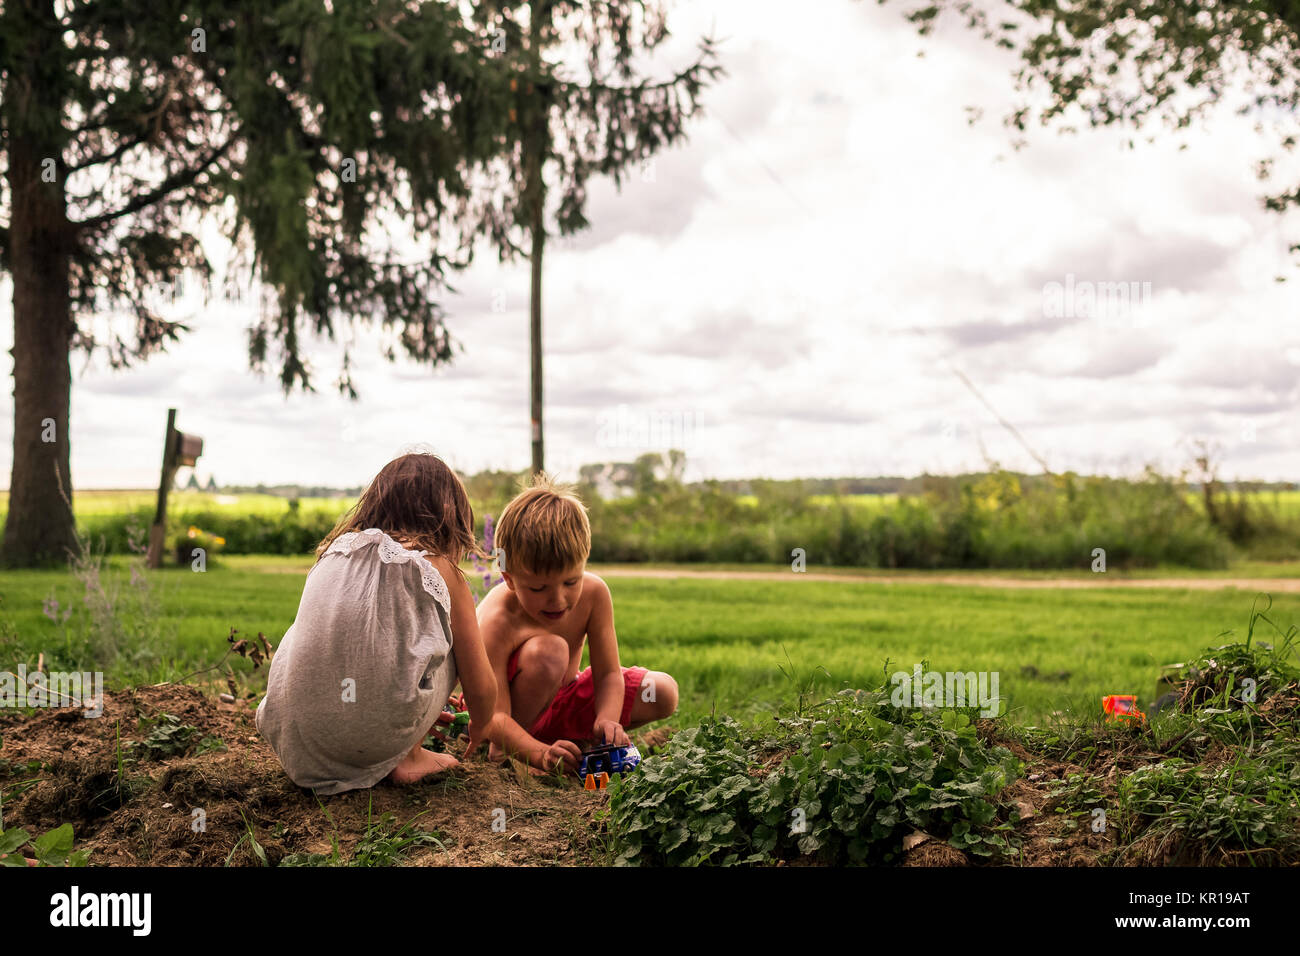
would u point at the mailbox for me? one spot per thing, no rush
(179, 451)
(188, 449)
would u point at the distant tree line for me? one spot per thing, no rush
(652, 469)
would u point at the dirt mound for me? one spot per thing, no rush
(202, 788)
(207, 790)
(932, 853)
(170, 776)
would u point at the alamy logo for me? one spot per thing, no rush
(625, 427)
(946, 689)
(1116, 302)
(102, 909)
(55, 689)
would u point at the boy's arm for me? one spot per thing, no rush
(514, 739)
(606, 671)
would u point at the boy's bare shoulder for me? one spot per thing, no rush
(595, 595)
(596, 583)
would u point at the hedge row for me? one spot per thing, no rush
(992, 522)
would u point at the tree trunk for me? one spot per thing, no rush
(39, 528)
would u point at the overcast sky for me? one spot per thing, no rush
(790, 293)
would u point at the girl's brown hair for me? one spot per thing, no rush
(420, 501)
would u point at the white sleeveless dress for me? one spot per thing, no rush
(365, 669)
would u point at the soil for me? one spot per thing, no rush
(145, 815)
(143, 812)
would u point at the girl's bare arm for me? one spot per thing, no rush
(476, 677)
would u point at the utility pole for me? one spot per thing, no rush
(536, 145)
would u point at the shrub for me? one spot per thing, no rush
(997, 520)
(846, 782)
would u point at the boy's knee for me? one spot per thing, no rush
(665, 694)
(546, 655)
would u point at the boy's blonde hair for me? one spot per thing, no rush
(544, 529)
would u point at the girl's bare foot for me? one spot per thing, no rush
(420, 763)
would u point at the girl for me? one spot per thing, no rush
(385, 624)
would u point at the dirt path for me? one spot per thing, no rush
(1273, 585)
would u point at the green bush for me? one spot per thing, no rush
(1245, 806)
(691, 805)
(986, 521)
(292, 532)
(997, 520)
(847, 783)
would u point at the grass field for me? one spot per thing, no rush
(740, 647)
(1285, 503)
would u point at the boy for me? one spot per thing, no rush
(534, 625)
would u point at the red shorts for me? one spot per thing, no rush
(571, 715)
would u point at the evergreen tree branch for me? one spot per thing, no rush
(171, 184)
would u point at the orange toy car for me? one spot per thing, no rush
(1122, 707)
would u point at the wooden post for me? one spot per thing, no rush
(536, 147)
(158, 531)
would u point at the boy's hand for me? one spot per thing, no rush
(611, 732)
(562, 753)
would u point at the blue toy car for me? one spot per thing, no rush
(601, 763)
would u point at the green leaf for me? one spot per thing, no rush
(54, 845)
(676, 838)
(12, 839)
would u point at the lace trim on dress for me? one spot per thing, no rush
(390, 552)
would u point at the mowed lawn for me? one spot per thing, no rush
(745, 648)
